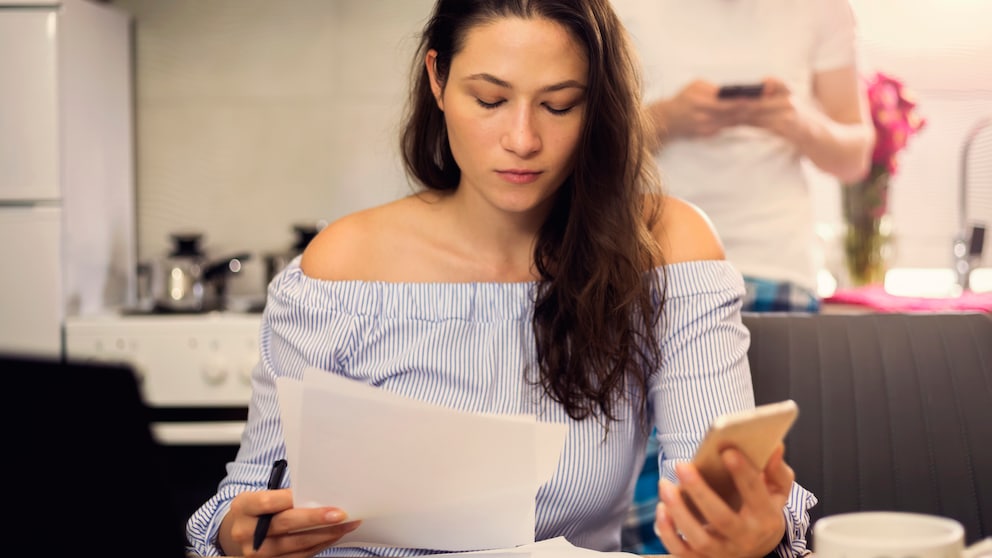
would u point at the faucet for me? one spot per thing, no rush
(969, 242)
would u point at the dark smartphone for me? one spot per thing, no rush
(750, 91)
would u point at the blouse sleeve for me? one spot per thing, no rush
(302, 325)
(705, 373)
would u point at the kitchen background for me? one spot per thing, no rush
(129, 121)
(252, 115)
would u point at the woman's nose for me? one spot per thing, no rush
(522, 137)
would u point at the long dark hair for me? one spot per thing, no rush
(595, 318)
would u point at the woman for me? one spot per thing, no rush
(536, 272)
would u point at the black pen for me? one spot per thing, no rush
(275, 481)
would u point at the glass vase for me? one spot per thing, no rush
(866, 234)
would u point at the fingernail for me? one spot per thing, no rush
(334, 516)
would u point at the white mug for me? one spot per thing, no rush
(886, 534)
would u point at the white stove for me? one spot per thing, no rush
(195, 369)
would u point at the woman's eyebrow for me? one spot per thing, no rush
(567, 84)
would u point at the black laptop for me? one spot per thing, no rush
(84, 468)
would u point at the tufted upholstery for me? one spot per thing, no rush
(895, 409)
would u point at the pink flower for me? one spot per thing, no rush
(893, 112)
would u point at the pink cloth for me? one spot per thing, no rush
(876, 298)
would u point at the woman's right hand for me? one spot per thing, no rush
(293, 533)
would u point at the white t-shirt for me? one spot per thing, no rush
(749, 181)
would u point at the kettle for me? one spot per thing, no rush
(188, 282)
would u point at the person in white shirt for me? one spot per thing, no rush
(740, 159)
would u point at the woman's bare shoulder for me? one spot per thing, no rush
(684, 232)
(355, 246)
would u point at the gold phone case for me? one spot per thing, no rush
(755, 432)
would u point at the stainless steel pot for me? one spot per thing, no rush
(276, 261)
(187, 281)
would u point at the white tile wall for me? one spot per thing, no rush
(253, 115)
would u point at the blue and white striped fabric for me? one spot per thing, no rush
(470, 346)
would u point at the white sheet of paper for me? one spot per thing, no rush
(416, 474)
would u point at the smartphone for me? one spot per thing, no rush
(754, 432)
(737, 91)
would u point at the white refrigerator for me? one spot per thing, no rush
(67, 196)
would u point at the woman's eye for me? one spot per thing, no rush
(559, 111)
(486, 105)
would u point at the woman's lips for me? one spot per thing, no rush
(519, 176)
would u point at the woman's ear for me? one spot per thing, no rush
(430, 61)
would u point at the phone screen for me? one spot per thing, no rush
(750, 91)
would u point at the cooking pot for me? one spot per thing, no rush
(187, 281)
(276, 261)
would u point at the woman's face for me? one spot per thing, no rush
(514, 105)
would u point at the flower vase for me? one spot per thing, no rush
(866, 223)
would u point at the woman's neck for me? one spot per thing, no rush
(497, 245)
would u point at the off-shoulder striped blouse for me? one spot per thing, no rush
(470, 346)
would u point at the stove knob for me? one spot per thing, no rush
(246, 368)
(215, 372)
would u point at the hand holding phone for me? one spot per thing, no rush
(741, 91)
(754, 432)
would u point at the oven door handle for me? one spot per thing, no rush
(198, 433)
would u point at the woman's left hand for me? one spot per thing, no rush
(754, 530)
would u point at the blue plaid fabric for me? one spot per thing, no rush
(777, 296)
(638, 534)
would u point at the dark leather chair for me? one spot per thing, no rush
(85, 469)
(895, 409)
